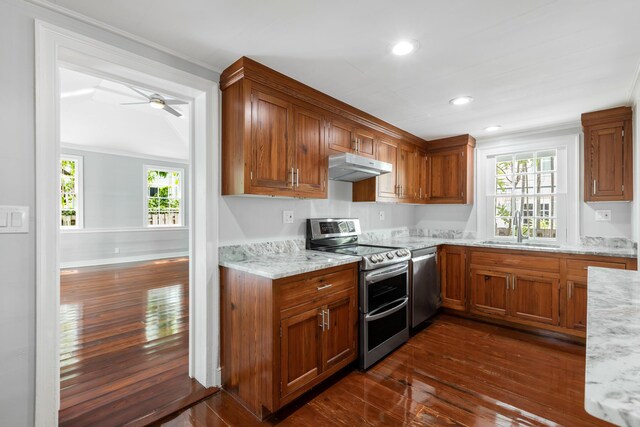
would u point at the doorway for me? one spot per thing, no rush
(58, 49)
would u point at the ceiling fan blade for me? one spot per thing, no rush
(139, 92)
(133, 103)
(172, 111)
(174, 102)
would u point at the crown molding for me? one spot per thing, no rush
(122, 33)
(542, 131)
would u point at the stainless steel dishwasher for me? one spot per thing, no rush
(425, 285)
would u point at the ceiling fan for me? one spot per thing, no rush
(158, 102)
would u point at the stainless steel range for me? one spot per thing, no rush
(383, 285)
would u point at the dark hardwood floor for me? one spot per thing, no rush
(456, 372)
(124, 342)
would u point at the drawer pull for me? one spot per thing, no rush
(324, 287)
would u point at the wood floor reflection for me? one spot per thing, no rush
(457, 372)
(124, 342)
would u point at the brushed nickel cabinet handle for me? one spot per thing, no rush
(570, 290)
(324, 287)
(321, 314)
(297, 177)
(292, 181)
(594, 187)
(327, 323)
(514, 282)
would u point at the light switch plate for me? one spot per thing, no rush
(603, 215)
(14, 219)
(287, 217)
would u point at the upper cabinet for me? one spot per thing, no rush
(277, 134)
(450, 170)
(608, 155)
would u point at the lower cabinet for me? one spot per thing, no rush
(316, 340)
(453, 275)
(543, 290)
(280, 338)
(489, 292)
(576, 314)
(534, 298)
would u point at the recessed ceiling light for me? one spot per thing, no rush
(493, 128)
(404, 47)
(461, 100)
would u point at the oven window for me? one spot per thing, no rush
(386, 291)
(382, 329)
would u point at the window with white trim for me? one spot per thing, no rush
(526, 182)
(70, 192)
(163, 196)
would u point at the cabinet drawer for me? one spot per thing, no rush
(316, 287)
(578, 267)
(511, 261)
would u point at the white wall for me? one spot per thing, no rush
(17, 155)
(635, 205)
(113, 199)
(245, 218)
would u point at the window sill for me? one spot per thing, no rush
(123, 230)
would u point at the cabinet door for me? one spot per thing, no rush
(387, 151)
(577, 305)
(407, 172)
(311, 166)
(271, 150)
(423, 176)
(453, 277)
(489, 291)
(447, 175)
(339, 335)
(365, 143)
(606, 163)
(300, 352)
(534, 298)
(342, 136)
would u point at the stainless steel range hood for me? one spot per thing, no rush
(352, 168)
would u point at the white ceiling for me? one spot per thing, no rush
(91, 117)
(527, 63)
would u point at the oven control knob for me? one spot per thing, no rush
(400, 253)
(373, 259)
(390, 255)
(380, 258)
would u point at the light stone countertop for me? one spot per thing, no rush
(278, 259)
(612, 390)
(275, 260)
(417, 242)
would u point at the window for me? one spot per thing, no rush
(163, 201)
(70, 192)
(526, 182)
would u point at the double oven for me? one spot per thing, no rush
(383, 292)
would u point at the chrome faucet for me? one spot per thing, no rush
(517, 223)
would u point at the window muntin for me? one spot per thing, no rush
(526, 182)
(70, 192)
(164, 201)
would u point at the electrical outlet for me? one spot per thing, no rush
(287, 217)
(381, 215)
(603, 215)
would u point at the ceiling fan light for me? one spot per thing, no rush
(157, 104)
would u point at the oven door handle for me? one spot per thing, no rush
(385, 274)
(397, 305)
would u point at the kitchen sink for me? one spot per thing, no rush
(522, 244)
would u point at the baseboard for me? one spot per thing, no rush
(122, 260)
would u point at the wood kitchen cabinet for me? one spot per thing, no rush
(450, 170)
(534, 297)
(277, 134)
(489, 291)
(453, 274)
(408, 173)
(608, 155)
(280, 338)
